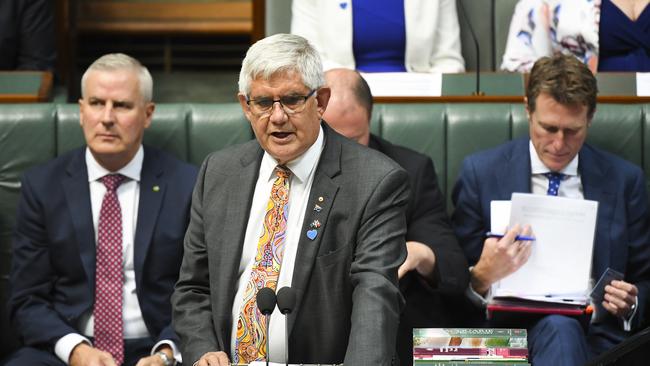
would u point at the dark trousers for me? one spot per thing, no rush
(134, 350)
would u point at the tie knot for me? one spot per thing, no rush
(554, 176)
(112, 181)
(282, 171)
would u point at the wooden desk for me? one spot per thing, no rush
(617, 88)
(25, 86)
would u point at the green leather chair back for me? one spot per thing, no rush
(35, 133)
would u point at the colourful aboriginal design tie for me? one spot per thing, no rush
(109, 276)
(251, 344)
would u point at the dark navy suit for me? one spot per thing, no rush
(53, 267)
(622, 239)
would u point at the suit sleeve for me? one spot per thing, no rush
(192, 313)
(32, 276)
(428, 223)
(379, 252)
(468, 221)
(446, 53)
(638, 264)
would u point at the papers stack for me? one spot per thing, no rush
(469, 346)
(556, 277)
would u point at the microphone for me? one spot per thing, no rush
(286, 303)
(461, 7)
(266, 304)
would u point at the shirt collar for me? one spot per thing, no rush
(301, 166)
(537, 167)
(131, 170)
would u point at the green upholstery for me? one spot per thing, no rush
(479, 15)
(503, 10)
(35, 133)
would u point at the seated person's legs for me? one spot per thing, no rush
(557, 340)
(33, 357)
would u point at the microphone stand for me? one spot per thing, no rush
(478, 91)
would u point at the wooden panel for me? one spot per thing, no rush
(25, 86)
(168, 17)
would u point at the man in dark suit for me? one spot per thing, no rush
(27, 35)
(435, 265)
(561, 101)
(98, 238)
(334, 224)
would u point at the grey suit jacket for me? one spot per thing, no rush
(348, 300)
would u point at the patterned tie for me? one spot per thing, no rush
(109, 274)
(554, 180)
(251, 327)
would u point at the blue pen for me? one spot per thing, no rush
(490, 234)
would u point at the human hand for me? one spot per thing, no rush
(499, 258)
(418, 257)
(213, 359)
(620, 298)
(85, 355)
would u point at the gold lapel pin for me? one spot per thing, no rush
(156, 188)
(320, 199)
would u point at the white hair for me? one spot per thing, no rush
(281, 53)
(120, 61)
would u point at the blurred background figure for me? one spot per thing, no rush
(27, 35)
(607, 35)
(624, 35)
(382, 35)
(545, 27)
(435, 264)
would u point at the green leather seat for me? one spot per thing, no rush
(32, 134)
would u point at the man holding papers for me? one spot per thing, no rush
(560, 102)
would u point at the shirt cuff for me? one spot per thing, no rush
(64, 346)
(477, 299)
(177, 354)
(627, 323)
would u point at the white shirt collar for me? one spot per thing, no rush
(131, 170)
(537, 167)
(301, 166)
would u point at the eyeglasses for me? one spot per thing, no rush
(291, 104)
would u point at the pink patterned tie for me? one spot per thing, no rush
(251, 326)
(109, 274)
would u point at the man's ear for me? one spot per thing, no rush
(244, 106)
(322, 98)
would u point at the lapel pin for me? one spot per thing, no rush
(311, 234)
(315, 224)
(320, 199)
(156, 188)
(317, 208)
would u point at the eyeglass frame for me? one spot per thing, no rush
(286, 109)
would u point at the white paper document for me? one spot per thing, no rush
(404, 84)
(643, 84)
(559, 267)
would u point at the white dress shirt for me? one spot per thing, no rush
(128, 194)
(302, 169)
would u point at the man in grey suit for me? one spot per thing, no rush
(335, 225)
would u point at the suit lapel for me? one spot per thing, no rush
(152, 191)
(323, 192)
(597, 187)
(514, 175)
(239, 189)
(77, 195)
